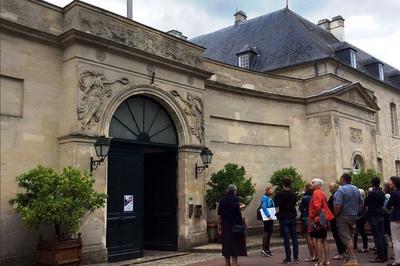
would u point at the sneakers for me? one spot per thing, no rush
(363, 250)
(351, 263)
(296, 261)
(265, 253)
(286, 261)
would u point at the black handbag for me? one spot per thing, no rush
(238, 229)
(259, 216)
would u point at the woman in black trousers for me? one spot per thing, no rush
(341, 248)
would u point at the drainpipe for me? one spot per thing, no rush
(316, 72)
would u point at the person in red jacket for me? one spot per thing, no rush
(319, 217)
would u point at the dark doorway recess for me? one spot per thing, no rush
(142, 180)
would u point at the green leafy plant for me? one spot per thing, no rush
(362, 179)
(56, 199)
(219, 182)
(298, 183)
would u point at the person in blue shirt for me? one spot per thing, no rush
(267, 202)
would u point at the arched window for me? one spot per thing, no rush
(143, 120)
(358, 164)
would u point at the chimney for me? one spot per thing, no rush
(324, 23)
(177, 34)
(335, 26)
(129, 9)
(240, 17)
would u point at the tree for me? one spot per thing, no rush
(298, 183)
(56, 199)
(219, 182)
(363, 178)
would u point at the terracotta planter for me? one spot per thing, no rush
(212, 232)
(59, 252)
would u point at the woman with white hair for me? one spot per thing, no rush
(230, 217)
(319, 217)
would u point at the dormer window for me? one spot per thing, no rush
(381, 75)
(244, 61)
(353, 60)
(247, 56)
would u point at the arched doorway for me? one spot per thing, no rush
(142, 162)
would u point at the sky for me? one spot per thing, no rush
(373, 26)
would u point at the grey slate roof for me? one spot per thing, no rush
(282, 38)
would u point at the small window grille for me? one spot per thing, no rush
(397, 167)
(244, 61)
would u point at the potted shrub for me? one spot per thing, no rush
(363, 178)
(298, 185)
(219, 182)
(60, 200)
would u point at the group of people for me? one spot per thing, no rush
(345, 214)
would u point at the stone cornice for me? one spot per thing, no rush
(254, 93)
(12, 27)
(74, 36)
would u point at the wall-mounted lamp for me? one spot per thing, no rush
(101, 146)
(206, 156)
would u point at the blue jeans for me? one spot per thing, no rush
(288, 227)
(378, 231)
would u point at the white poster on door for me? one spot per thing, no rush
(128, 203)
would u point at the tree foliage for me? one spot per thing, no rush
(219, 182)
(56, 199)
(298, 183)
(362, 179)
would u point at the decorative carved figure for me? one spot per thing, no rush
(356, 135)
(95, 88)
(193, 108)
(325, 123)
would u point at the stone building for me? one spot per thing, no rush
(266, 93)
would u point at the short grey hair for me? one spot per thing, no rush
(231, 189)
(318, 182)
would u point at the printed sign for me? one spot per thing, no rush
(128, 203)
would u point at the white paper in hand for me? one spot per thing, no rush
(272, 213)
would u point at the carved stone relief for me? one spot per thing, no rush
(190, 80)
(193, 108)
(100, 55)
(356, 135)
(138, 38)
(355, 96)
(95, 88)
(150, 69)
(325, 124)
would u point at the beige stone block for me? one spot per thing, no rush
(12, 96)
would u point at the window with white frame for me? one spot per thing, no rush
(381, 74)
(353, 59)
(244, 61)
(393, 119)
(397, 162)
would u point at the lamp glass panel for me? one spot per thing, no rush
(97, 147)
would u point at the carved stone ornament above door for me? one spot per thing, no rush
(193, 108)
(95, 89)
(326, 123)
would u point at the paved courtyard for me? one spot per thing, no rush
(254, 258)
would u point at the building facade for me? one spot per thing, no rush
(72, 74)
